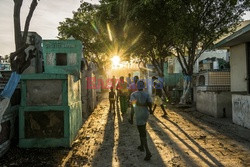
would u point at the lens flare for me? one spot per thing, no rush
(95, 28)
(109, 32)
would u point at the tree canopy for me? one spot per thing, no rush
(151, 30)
(200, 23)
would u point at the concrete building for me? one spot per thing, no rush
(239, 47)
(175, 67)
(174, 79)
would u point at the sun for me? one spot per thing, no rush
(116, 60)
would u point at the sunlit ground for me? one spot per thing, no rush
(174, 141)
(184, 138)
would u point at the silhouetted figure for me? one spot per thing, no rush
(113, 82)
(122, 92)
(128, 79)
(157, 91)
(111, 100)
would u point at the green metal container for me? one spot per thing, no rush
(51, 111)
(62, 56)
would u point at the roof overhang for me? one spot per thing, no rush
(239, 37)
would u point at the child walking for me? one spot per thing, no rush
(111, 100)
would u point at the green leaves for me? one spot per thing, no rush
(151, 30)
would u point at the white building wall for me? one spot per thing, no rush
(238, 68)
(241, 110)
(222, 54)
(216, 104)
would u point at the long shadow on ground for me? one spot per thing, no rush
(198, 154)
(215, 126)
(104, 155)
(167, 139)
(128, 154)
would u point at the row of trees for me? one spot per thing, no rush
(151, 30)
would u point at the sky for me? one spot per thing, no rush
(45, 19)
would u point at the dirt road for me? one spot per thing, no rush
(184, 138)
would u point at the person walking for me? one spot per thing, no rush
(132, 88)
(142, 104)
(157, 91)
(128, 79)
(113, 84)
(112, 100)
(122, 92)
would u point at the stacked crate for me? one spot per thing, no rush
(51, 108)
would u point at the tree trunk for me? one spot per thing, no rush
(18, 60)
(17, 23)
(28, 19)
(186, 89)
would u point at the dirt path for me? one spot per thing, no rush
(181, 139)
(106, 140)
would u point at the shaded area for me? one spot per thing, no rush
(33, 157)
(104, 153)
(214, 126)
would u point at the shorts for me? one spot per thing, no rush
(158, 100)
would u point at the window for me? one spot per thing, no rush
(201, 80)
(61, 59)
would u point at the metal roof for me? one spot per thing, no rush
(238, 37)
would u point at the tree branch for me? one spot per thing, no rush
(28, 18)
(182, 66)
(181, 54)
(17, 24)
